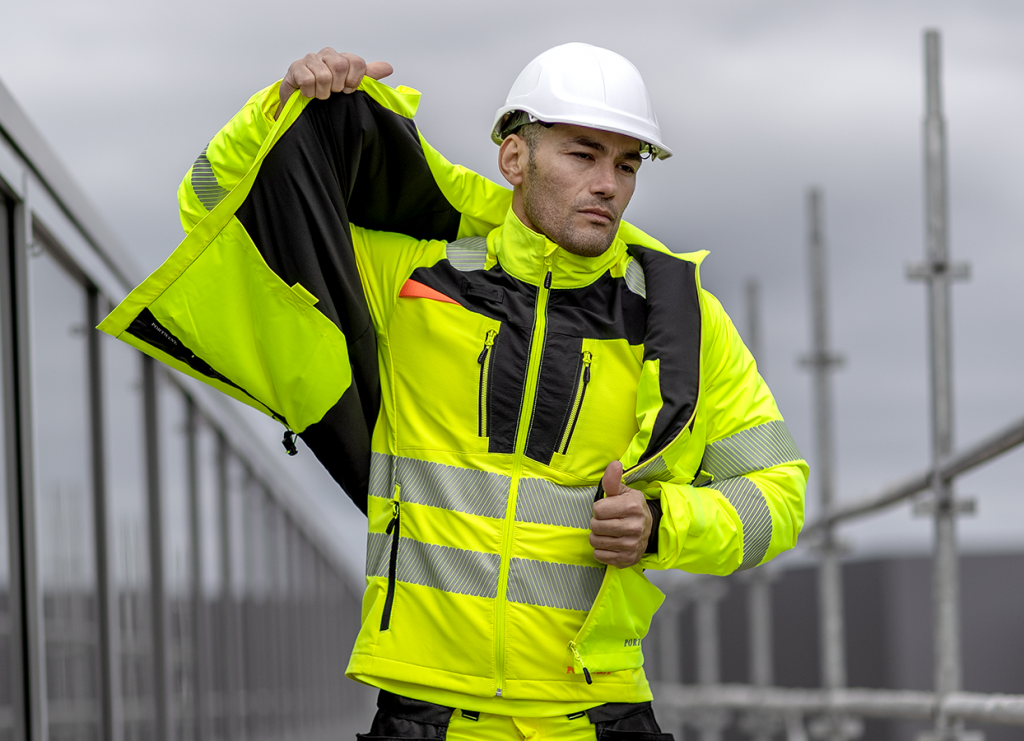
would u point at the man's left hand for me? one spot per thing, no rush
(621, 524)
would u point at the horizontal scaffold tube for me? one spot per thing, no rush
(951, 467)
(871, 703)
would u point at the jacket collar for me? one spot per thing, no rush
(528, 256)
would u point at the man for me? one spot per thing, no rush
(532, 400)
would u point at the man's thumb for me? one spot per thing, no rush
(379, 70)
(611, 482)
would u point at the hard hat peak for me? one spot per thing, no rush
(585, 85)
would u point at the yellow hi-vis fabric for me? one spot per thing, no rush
(482, 590)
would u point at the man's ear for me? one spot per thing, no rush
(512, 157)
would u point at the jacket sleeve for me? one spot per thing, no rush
(746, 504)
(227, 158)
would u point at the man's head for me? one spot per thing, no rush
(573, 131)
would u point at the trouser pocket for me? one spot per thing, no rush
(404, 718)
(626, 721)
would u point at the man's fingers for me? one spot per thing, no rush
(354, 73)
(379, 70)
(318, 75)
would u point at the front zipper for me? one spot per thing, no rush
(522, 432)
(484, 359)
(577, 404)
(394, 529)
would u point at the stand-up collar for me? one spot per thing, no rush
(528, 256)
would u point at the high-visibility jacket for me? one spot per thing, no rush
(500, 377)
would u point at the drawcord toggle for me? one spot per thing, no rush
(289, 442)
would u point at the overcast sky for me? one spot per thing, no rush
(759, 100)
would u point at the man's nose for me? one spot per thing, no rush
(604, 183)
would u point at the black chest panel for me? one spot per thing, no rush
(604, 310)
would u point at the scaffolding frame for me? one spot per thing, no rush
(835, 710)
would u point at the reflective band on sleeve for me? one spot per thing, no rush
(561, 585)
(759, 447)
(436, 485)
(452, 570)
(654, 469)
(750, 504)
(204, 182)
(635, 279)
(469, 253)
(544, 503)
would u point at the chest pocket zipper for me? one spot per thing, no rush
(394, 529)
(483, 422)
(577, 403)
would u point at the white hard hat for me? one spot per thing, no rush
(583, 85)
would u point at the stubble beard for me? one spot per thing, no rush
(561, 228)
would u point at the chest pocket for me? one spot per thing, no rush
(441, 354)
(599, 418)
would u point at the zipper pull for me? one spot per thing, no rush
(576, 654)
(547, 280)
(289, 442)
(488, 343)
(395, 507)
(588, 358)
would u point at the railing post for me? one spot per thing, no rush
(707, 592)
(761, 725)
(938, 272)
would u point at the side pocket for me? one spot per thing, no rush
(610, 638)
(620, 721)
(394, 529)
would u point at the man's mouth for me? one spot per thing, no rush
(600, 215)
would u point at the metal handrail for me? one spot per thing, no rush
(959, 463)
(870, 703)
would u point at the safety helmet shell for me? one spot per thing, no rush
(587, 86)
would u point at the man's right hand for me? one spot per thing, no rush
(318, 75)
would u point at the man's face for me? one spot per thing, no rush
(576, 184)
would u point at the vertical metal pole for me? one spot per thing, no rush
(707, 593)
(161, 630)
(939, 272)
(15, 483)
(833, 667)
(201, 702)
(31, 587)
(110, 653)
(830, 586)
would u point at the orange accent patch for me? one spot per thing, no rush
(415, 289)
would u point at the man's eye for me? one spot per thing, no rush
(628, 168)
(582, 155)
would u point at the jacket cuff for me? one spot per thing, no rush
(652, 542)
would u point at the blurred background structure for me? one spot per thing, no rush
(144, 520)
(161, 577)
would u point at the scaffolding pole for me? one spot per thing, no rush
(938, 273)
(822, 362)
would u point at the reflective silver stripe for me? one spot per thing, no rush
(436, 485)
(635, 279)
(560, 585)
(378, 550)
(204, 182)
(759, 447)
(750, 504)
(545, 503)
(654, 469)
(452, 570)
(468, 253)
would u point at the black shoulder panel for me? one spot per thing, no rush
(673, 335)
